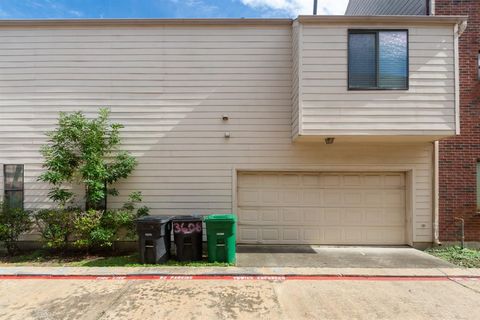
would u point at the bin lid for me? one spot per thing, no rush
(187, 218)
(221, 217)
(154, 219)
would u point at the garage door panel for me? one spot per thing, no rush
(312, 216)
(352, 180)
(248, 234)
(249, 216)
(311, 235)
(292, 216)
(393, 198)
(373, 180)
(352, 216)
(394, 217)
(270, 180)
(331, 180)
(291, 197)
(311, 180)
(270, 234)
(332, 198)
(353, 235)
(352, 198)
(333, 235)
(322, 208)
(270, 216)
(396, 180)
(249, 197)
(372, 199)
(290, 180)
(293, 235)
(312, 197)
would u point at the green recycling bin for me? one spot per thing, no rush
(221, 237)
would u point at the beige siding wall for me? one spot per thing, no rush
(427, 108)
(170, 86)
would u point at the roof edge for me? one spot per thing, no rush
(382, 19)
(138, 22)
(319, 19)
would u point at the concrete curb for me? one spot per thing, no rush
(237, 271)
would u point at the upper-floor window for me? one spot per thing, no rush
(478, 65)
(478, 185)
(13, 185)
(378, 59)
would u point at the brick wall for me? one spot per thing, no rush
(459, 155)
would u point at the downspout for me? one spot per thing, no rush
(436, 231)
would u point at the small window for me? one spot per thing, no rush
(378, 60)
(13, 185)
(478, 186)
(478, 65)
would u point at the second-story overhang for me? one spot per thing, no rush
(427, 110)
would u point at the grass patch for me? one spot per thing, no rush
(49, 259)
(467, 258)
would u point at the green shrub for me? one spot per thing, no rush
(13, 222)
(57, 226)
(100, 229)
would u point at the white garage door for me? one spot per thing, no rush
(321, 208)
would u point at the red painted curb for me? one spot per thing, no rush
(234, 277)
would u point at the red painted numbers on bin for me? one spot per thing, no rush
(187, 227)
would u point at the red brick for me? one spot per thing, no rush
(459, 155)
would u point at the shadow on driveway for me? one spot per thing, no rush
(306, 256)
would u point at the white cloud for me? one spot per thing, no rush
(297, 7)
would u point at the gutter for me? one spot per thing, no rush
(138, 22)
(384, 19)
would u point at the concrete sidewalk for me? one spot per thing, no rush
(310, 256)
(209, 271)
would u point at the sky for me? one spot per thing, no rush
(80, 9)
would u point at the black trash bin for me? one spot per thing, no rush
(187, 235)
(154, 241)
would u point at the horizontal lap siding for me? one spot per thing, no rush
(427, 107)
(171, 101)
(170, 87)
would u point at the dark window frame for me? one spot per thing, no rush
(477, 180)
(5, 189)
(377, 49)
(478, 65)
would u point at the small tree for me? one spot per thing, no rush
(85, 151)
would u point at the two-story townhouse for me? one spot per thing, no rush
(458, 161)
(318, 130)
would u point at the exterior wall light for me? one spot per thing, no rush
(329, 140)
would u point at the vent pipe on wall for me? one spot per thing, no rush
(315, 7)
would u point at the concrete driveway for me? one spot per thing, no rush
(336, 257)
(49, 299)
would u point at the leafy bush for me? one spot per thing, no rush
(13, 222)
(99, 229)
(57, 226)
(89, 229)
(85, 223)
